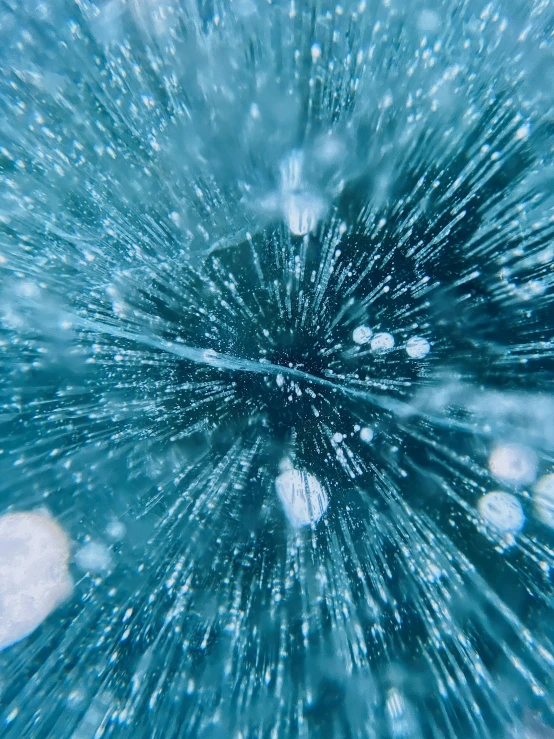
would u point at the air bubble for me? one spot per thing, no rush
(503, 511)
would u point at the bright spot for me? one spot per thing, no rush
(337, 437)
(115, 530)
(428, 21)
(302, 212)
(514, 464)
(544, 499)
(362, 334)
(34, 579)
(417, 347)
(94, 557)
(366, 434)
(280, 380)
(302, 496)
(502, 510)
(382, 343)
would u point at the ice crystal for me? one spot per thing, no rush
(276, 344)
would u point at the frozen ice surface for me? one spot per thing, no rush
(237, 233)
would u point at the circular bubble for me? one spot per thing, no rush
(382, 343)
(362, 335)
(514, 464)
(502, 510)
(417, 347)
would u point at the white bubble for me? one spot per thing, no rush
(115, 530)
(366, 434)
(34, 579)
(428, 21)
(544, 499)
(337, 437)
(94, 557)
(417, 347)
(303, 498)
(502, 510)
(382, 343)
(362, 334)
(514, 464)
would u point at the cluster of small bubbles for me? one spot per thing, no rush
(34, 577)
(502, 511)
(513, 464)
(302, 496)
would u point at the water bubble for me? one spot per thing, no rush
(304, 499)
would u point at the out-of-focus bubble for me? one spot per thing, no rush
(34, 577)
(502, 510)
(417, 347)
(514, 464)
(362, 335)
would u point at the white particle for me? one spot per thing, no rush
(280, 380)
(34, 579)
(382, 343)
(514, 464)
(503, 511)
(94, 557)
(362, 334)
(366, 434)
(302, 496)
(417, 347)
(316, 52)
(337, 437)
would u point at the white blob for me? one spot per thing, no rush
(337, 437)
(115, 530)
(362, 335)
(94, 557)
(34, 579)
(302, 496)
(382, 343)
(417, 347)
(502, 510)
(302, 212)
(366, 434)
(544, 499)
(428, 21)
(514, 464)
